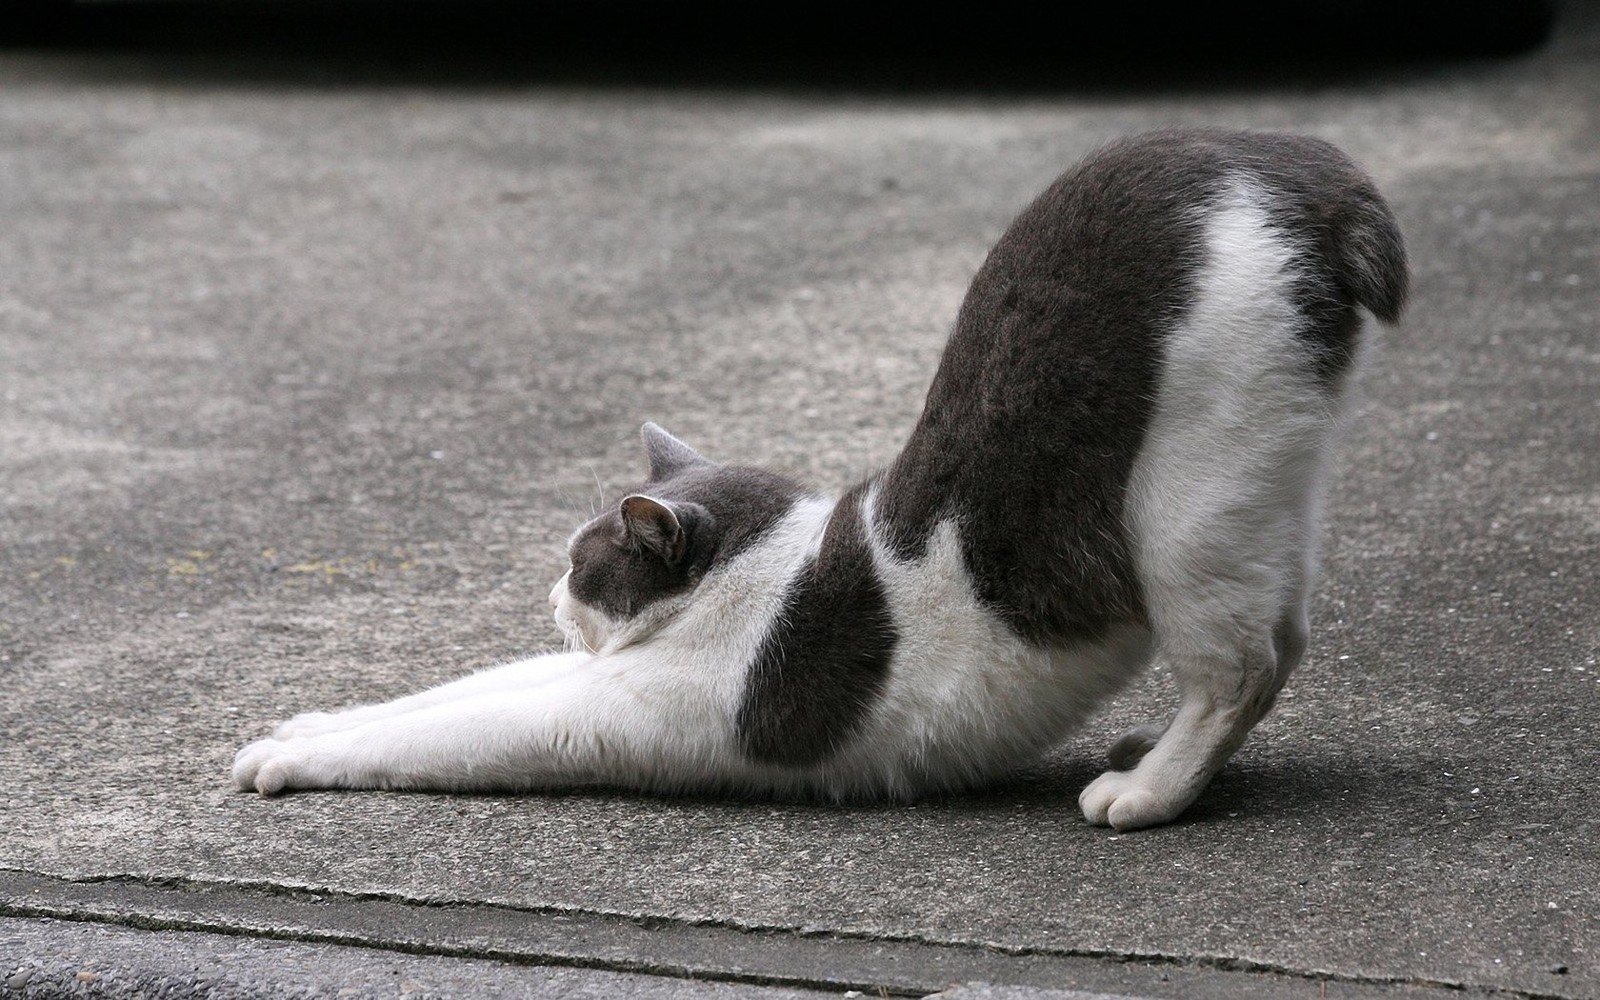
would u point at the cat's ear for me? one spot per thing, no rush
(655, 526)
(668, 456)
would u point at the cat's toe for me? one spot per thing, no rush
(328, 761)
(273, 777)
(1118, 799)
(1131, 746)
(248, 762)
(265, 766)
(1096, 798)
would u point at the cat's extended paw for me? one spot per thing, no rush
(1131, 746)
(273, 766)
(255, 767)
(308, 724)
(1120, 799)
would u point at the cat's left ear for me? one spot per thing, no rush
(655, 526)
(668, 455)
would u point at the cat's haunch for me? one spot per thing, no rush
(1121, 459)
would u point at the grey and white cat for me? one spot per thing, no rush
(1121, 460)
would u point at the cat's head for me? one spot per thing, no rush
(637, 566)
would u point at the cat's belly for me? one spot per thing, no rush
(966, 698)
(954, 721)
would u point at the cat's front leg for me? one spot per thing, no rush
(509, 676)
(481, 743)
(611, 721)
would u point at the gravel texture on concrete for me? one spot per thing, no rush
(305, 377)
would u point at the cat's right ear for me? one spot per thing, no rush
(668, 455)
(654, 526)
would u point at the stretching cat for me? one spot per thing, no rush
(1121, 459)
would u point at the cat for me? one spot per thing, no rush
(1121, 460)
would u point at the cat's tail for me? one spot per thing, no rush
(1372, 254)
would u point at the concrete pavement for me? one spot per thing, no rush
(306, 374)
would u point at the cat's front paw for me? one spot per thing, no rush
(264, 766)
(308, 724)
(273, 766)
(1121, 800)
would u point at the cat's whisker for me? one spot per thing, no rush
(580, 642)
(598, 488)
(566, 500)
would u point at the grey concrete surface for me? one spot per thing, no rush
(304, 380)
(57, 959)
(73, 959)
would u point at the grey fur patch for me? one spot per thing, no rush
(1042, 398)
(826, 659)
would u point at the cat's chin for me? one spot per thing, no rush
(590, 630)
(576, 640)
(587, 636)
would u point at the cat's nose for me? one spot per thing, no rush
(558, 590)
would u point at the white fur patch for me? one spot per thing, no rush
(1222, 495)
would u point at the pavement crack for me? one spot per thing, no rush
(618, 941)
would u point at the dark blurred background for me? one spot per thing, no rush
(830, 42)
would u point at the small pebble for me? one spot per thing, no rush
(18, 980)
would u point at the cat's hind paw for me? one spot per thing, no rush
(1119, 799)
(1131, 746)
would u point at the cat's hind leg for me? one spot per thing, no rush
(1229, 665)
(1225, 692)
(1227, 593)
(1290, 639)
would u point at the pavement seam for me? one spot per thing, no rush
(139, 922)
(645, 922)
